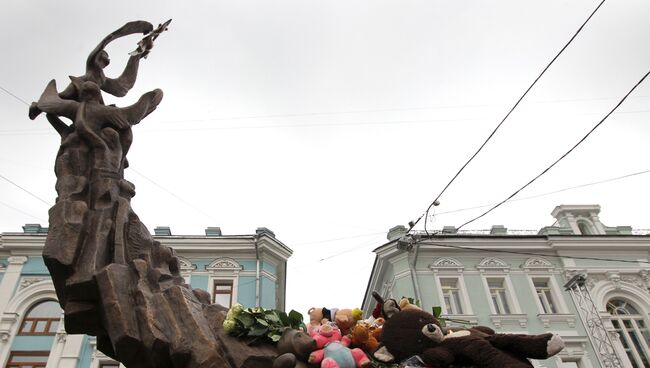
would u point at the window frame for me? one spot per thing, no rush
(13, 354)
(627, 343)
(558, 302)
(223, 282)
(463, 298)
(49, 321)
(509, 296)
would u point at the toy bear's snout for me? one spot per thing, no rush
(433, 332)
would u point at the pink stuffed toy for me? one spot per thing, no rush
(332, 349)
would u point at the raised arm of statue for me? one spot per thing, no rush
(145, 106)
(98, 60)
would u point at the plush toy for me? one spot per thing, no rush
(415, 332)
(384, 308)
(363, 338)
(405, 304)
(344, 318)
(332, 348)
(337, 355)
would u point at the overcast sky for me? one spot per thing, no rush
(330, 122)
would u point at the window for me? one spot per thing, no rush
(451, 295)
(223, 292)
(42, 319)
(584, 228)
(545, 295)
(109, 364)
(27, 359)
(498, 295)
(633, 331)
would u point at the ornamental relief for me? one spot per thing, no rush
(27, 281)
(639, 280)
(538, 263)
(493, 263)
(446, 263)
(224, 263)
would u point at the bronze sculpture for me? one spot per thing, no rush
(112, 279)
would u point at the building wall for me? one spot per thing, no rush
(25, 282)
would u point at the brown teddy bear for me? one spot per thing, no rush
(362, 337)
(415, 332)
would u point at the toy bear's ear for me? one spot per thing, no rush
(383, 355)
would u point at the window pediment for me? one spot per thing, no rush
(493, 264)
(447, 263)
(224, 264)
(538, 264)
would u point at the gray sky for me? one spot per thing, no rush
(326, 120)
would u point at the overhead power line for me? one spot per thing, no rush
(549, 193)
(564, 155)
(13, 95)
(23, 212)
(173, 194)
(25, 190)
(504, 118)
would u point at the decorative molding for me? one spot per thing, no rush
(548, 319)
(185, 264)
(224, 264)
(538, 264)
(493, 264)
(17, 260)
(498, 320)
(4, 336)
(61, 337)
(446, 263)
(27, 281)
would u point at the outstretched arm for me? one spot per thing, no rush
(62, 128)
(145, 105)
(138, 26)
(121, 85)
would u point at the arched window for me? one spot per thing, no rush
(633, 331)
(585, 229)
(41, 319)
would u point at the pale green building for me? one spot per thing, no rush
(248, 269)
(513, 281)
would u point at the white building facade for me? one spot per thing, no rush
(514, 282)
(246, 269)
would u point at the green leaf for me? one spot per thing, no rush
(272, 316)
(295, 318)
(437, 310)
(246, 320)
(262, 322)
(257, 330)
(284, 319)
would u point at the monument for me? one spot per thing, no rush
(112, 279)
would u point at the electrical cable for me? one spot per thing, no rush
(549, 193)
(173, 195)
(26, 191)
(426, 214)
(563, 156)
(13, 95)
(23, 212)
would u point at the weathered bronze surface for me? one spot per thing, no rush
(112, 279)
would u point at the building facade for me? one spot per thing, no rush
(514, 282)
(246, 269)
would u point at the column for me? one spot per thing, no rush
(11, 279)
(7, 288)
